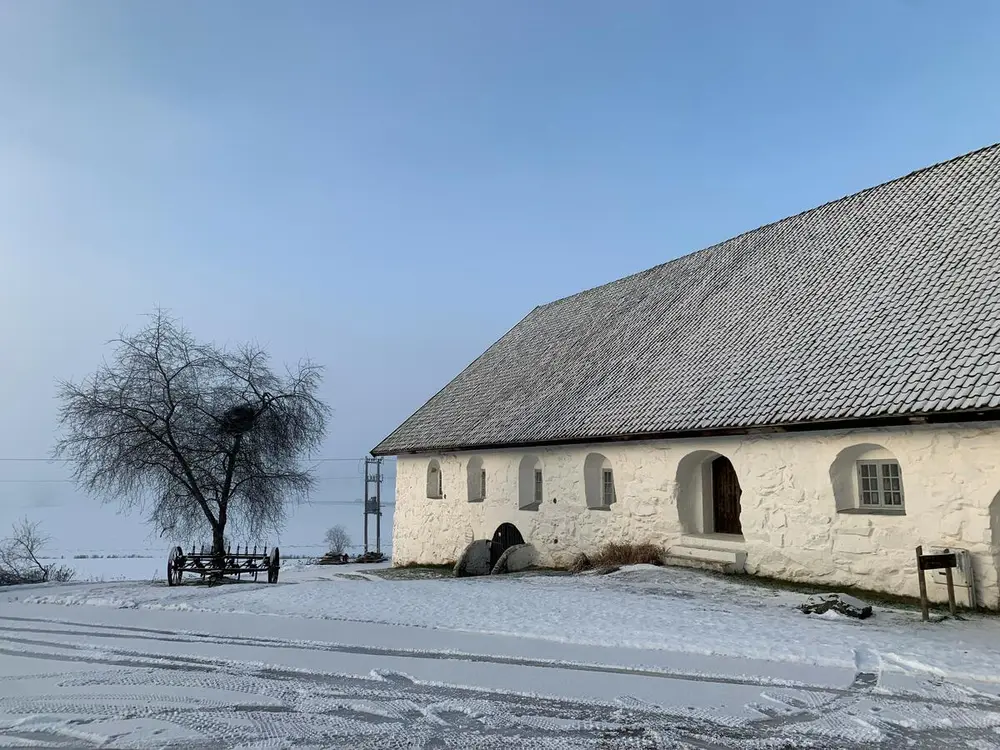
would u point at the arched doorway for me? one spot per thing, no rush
(726, 493)
(505, 536)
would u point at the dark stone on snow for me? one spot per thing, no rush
(841, 603)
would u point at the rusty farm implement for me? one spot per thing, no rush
(208, 564)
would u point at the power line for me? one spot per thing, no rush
(36, 460)
(66, 460)
(338, 478)
(56, 481)
(34, 481)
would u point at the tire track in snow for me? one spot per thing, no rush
(165, 636)
(323, 707)
(439, 715)
(867, 661)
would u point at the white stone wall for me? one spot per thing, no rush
(791, 527)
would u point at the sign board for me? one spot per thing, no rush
(936, 562)
(948, 560)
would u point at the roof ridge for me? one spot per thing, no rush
(736, 237)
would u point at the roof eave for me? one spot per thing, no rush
(888, 420)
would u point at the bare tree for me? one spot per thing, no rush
(337, 540)
(21, 557)
(206, 438)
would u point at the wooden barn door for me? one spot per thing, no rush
(505, 536)
(726, 494)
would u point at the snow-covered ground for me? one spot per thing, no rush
(102, 569)
(135, 567)
(355, 657)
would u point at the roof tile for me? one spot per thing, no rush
(883, 302)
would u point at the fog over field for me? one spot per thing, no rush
(79, 524)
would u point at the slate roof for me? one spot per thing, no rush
(886, 302)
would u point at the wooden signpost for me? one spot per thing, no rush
(947, 561)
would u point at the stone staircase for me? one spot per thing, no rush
(722, 553)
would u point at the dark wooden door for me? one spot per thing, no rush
(726, 494)
(505, 536)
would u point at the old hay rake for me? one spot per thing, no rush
(207, 564)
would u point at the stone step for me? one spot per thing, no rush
(693, 562)
(713, 541)
(708, 553)
(708, 557)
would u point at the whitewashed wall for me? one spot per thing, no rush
(792, 530)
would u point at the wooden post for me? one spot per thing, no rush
(951, 591)
(924, 613)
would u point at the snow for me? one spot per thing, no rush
(645, 607)
(131, 567)
(335, 652)
(100, 569)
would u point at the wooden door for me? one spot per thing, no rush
(726, 494)
(505, 536)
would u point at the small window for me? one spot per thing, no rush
(475, 476)
(607, 487)
(880, 484)
(598, 482)
(529, 483)
(435, 481)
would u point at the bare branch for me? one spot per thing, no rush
(21, 557)
(337, 540)
(147, 429)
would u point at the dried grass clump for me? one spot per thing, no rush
(619, 554)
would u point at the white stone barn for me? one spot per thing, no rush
(810, 400)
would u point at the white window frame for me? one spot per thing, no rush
(607, 487)
(884, 494)
(539, 486)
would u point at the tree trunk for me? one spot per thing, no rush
(219, 545)
(219, 529)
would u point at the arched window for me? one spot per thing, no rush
(530, 483)
(867, 478)
(598, 481)
(476, 480)
(435, 480)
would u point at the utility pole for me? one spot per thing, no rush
(373, 501)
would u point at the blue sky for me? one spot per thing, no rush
(387, 187)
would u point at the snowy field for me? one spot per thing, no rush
(358, 657)
(103, 569)
(147, 568)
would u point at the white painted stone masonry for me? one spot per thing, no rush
(791, 524)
